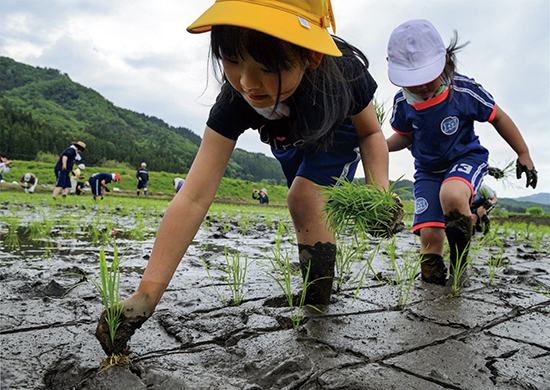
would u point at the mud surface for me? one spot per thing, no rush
(487, 337)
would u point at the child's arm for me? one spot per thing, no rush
(398, 142)
(373, 146)
(510, 133)
(184, 217)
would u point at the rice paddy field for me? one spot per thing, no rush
(231, 317)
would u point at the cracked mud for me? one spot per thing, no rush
(488, 337)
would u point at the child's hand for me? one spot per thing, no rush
(497, 173)
(129, 322)
(531, 174)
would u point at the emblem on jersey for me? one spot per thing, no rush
(420, 205)
(449, 126)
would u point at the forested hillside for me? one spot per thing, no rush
(42, 110)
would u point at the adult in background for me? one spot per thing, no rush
(143, 179)
(260, 195)
(5, 165)
(178, 182)
(80, 186)
(76, 175)
(99, 181)
(484, 201)
(64, 167)
(28, 182)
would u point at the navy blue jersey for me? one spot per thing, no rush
(232, 118)
(99, 177)
(443, 127)
(70, 152)
(143, 174)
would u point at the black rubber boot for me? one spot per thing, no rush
(320, 260)
(433, 269)
(458, 228)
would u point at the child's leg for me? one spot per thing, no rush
(316, 245)
(463, 179)
(432, 240)
(429, 223)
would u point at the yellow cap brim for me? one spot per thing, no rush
(272, 21)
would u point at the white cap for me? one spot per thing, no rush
(143, 164)
(416, 54)
(27, 177)
(81, 166)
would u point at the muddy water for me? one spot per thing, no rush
(486, 338)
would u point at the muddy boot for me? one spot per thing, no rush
(458, 228)
(433, 269)
(320, 260)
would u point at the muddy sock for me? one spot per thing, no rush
(458, 228)
(320, 259)
(145, 193)
(433, 269)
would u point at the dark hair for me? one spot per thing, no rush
(326, 86)
(450, 67)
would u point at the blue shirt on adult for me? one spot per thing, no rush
(108, 177)
(71, 153)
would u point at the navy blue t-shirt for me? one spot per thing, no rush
(232, 118)
(108, 177)
(443, 126)
(70, 152)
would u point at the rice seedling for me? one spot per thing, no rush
(108, 290)
(12, 239)
(457, 273)
(542, 290)
(234, 275)
(364, 273)
(296, 313)
(407, 273)
(347, 255)
(361, 208)
(495, 265)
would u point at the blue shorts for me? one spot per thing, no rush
(427, 207)
(63, 179)
(142, 184)
(322, 167)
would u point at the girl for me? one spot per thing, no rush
(309, 96)
(433, 115)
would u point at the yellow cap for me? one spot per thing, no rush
(301, 22)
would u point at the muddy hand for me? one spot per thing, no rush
(531, 174)
(497, 173)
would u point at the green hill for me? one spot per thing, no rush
(42, 110)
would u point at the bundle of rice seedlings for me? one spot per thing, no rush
(363, 208)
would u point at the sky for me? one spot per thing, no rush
(138, 55)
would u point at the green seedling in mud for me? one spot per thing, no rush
(542, 290)
(405, 272)
(347, 254)
(457, 274)
(495, 265)
(108, 289)
(364, 273)
(234, 276)
(12, 239)
(361, 208)
(296, 313)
